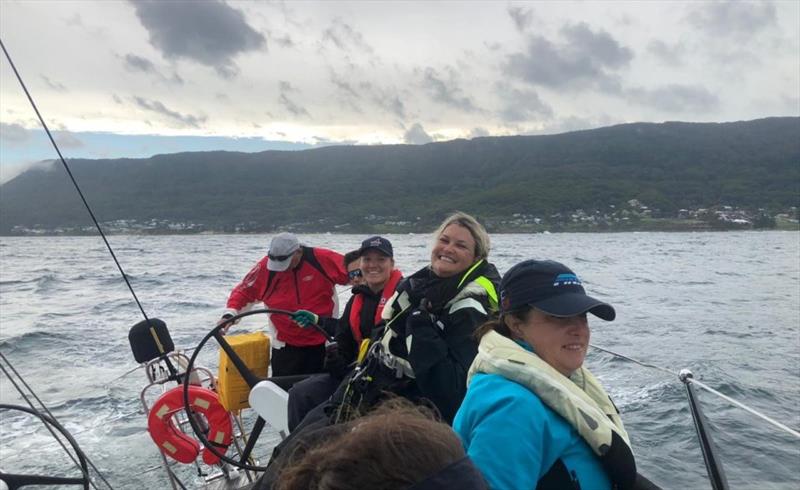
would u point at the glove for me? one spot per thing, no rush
(305, 318)
(417, 319)
(334, 363)
(224, 318)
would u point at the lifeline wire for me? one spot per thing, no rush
(50, 414)
(74, 182)
(707, 388)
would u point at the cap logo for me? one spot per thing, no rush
(375, 243)
(566, 280)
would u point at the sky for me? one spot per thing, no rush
(135, 78)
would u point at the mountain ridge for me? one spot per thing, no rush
(666, 167)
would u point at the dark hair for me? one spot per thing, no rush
(499, 324)
(351, 257)
(391, 448)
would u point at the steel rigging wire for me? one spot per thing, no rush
(711, 390)
(69, 172)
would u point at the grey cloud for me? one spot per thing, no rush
(676, 98)
(522, 17)
(733, 18)
(348, 95)
(521, 105)
(322, 141)
(600, 45)
(14, 134)
(284, 41)
(54, 84)
(159, 108)
(351, 94)
(116, 98)
(446, 92)
(137, 63)
(573, 123)
(670, 54)
(65, 139)
(416, 135)
(479, 133)
(345, 37)
(791, 104)
(75, 20)
(586, 58)
(343, 85)
(209, 32)
(391, 103)
(286, 101)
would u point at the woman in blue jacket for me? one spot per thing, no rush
(533, 416)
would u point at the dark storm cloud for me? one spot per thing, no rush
(345, 37)
(521, 105)
(676, 98)
(159, 108)
(447, 92)
(54, 84)
(416, 135)
(209, 32)
(285, 99)
(522, 17)
(733, 18)
(670, 54)
(585, 58)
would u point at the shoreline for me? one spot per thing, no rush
(373, 231)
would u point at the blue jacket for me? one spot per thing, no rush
(514, 439)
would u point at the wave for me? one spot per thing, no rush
(33, 340)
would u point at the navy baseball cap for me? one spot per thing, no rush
(379, 243)
(551, 287)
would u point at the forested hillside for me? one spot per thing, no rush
(666, 170)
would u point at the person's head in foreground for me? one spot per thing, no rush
(397, 446)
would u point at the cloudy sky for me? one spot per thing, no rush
(136, 78)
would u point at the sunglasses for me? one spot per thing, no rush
(279, 258)
(354, 274)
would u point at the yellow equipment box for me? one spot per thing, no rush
(253, 348)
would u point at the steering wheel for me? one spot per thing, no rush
(15, 481)
(249, 377)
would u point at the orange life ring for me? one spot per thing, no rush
(177, 444)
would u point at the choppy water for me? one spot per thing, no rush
(725, 305)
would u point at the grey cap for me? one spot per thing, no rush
(281, 248)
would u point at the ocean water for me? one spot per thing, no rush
(725, 305)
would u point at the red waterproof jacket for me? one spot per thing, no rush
(309, 286)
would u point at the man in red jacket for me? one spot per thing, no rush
(292, 277)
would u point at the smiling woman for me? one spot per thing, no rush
(435, 311)
(527, 383)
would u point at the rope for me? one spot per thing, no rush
(50, 414)
(739, 404)
(74, 182)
